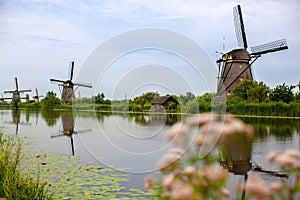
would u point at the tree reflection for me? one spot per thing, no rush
(50, 117)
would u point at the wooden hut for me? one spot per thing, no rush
(164, 101)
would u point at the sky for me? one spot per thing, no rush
(39, 38)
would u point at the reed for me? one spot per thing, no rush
(14, 183)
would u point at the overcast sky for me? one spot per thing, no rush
(40, 37)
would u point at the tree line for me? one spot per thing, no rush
(250, 98)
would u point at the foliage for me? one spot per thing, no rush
(184, 99)
(15, 184)
(251, 91)
(145, 98)
(282, 93)
(50, 101)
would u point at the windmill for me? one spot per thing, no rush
(36, 98)
(236, 65)
(16, 94)
(68, 86)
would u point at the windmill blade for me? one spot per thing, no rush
(9, 91)
(56, 81)
(22, 91)
(71, 71)
(36, 92)
(239, 27)
(16, 81)
(88, 85)
(276, 45)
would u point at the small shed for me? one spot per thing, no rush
(164, 101)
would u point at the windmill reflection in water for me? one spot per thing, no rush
(235, 156)
(16, 115)
(68, 125)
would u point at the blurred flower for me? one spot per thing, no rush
(168, 180)
(149, 181)
(272, 156)
(172, 157)
(256, 186)
(275, 187)
(177, 132)
(189, 170)
(225, 193)
(181, 190)
(200, 119)
(293, 153)
(213, 173)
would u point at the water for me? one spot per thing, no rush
(133, 143)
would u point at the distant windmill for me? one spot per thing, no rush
(236, 64)
(36, 98)
(16, 94)
(68, 86)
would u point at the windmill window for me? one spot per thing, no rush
(241, 66)
(241, 79)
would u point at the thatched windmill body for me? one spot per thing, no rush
(67, 93)
(16, 94)
(235, 65)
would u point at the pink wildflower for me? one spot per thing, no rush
(255, 185)
(200, 120)
(168, 180)
(149, 181)
(272, 156)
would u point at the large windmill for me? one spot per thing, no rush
(68, 86)
(235, 65)
(16, 94)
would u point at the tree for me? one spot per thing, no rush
(50, 101)
(282, 93)
(99, 99)
(187, 97)
(251, 91)
(144, 98)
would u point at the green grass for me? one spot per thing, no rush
(15, 184)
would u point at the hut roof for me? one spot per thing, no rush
(162, 99)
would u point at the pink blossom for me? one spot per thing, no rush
(168, 180)
(189, 170)
(255, 185)
(225, 193)
(177, 132)
(285, 161)
(272, 156)
(181, 190)
(173, 156)
(200, 120)
(149, 181)
(293, 153)
(199, 140)
(275, 187)
(213, 173)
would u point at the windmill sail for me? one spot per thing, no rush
(277, 45)
(71, 70)
(239, 27)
